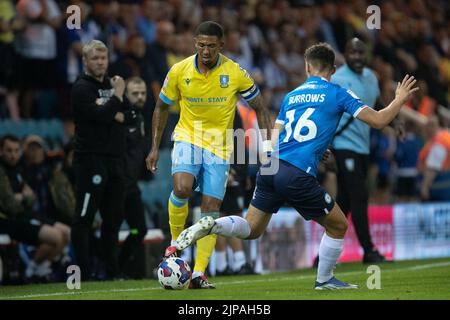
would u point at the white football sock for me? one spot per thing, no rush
(329, 252)
(173, 242)
(221, 260)
(239, 260)
(232, 226)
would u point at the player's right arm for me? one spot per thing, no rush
(380, 119)
(159, 121)
(169, 95)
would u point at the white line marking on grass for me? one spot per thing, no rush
(43, 295)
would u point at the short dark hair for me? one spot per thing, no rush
(134, 79)
(320, 56)
(9, 137)
(210, 28)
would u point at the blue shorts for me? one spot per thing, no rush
(295, 187)
(209, 170)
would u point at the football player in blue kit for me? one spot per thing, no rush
(307, 121)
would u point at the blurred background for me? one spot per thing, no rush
(40, 59)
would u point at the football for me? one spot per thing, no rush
(174, 274)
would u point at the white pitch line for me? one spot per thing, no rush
(413, 268)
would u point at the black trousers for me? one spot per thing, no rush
(353, 194)
(100, 186)
(132, 255)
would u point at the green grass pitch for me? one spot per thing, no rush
(416, 279)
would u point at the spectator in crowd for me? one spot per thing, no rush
(16, 202)
(157, 54)
(157, 51)
(132, 251)
(423, 103)
(382, 150)
(55, 199)
(434, 163)
(146, 22)
(10, 24)
(406, 156)
(37, 48)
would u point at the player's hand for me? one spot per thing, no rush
(118, 85)
(152, 160)
(406, 88)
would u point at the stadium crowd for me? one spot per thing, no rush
(41, 58)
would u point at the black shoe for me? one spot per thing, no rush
(246, 269)
(226, 272)
(373, 257)
(201, 282)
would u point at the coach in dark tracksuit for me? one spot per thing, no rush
(132, 253)
(98, 157)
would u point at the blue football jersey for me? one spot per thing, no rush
(310, 115)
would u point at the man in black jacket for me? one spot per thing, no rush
(132, 253)
(99, 157)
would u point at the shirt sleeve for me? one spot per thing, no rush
(436, 157)
(169, 93)
(246, 86)
(349, 102)
(281, 118)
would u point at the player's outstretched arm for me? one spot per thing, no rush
(159, 122)
(380, 119)
(262, 114)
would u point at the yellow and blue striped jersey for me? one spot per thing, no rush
(207, 102)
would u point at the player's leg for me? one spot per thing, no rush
(205, 246)
(310, 199)
(212, 181)
(185, 169)
(178, 202)
(330, 249)
(265, 201)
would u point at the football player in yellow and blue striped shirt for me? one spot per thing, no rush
(206, 87)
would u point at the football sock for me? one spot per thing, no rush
(330, 250)
(178, 212)
(221, 260)
(232, 226)
(239, 260)
(205, 247)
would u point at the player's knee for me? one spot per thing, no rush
(340, 228)
(182, 191)
(255, 233)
